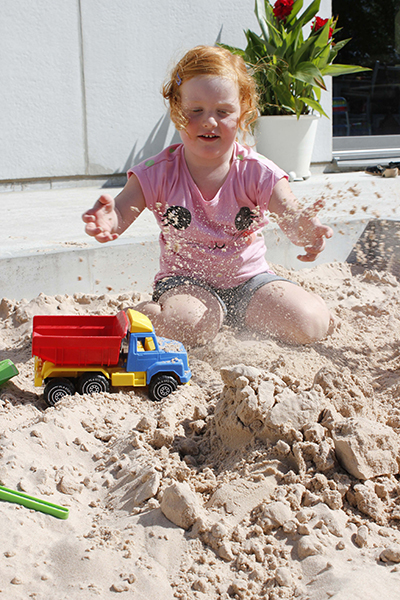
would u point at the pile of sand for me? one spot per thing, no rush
(275, 474)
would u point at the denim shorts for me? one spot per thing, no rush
(234, 301)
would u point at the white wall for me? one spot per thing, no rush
(41, 116)
(323, 142)
(80, 79)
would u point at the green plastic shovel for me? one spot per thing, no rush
(7, 370)
(35, 503)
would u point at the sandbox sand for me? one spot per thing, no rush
(273, 475)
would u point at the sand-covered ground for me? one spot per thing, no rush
(275, 474)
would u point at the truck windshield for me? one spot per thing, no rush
(170, 345)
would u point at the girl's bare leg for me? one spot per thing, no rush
(289, 312)
(187, 313)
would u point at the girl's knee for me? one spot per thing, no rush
(290, 313)
(149, 308)
(193, 318)
(316, 321)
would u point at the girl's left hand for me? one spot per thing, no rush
(311, 234)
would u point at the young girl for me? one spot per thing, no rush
(210, 196)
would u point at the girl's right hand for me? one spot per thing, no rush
(102, 220)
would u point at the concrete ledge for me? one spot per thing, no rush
(121, 268)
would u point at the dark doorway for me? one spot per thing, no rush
(368, 103)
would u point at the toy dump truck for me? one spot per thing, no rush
(90, 353)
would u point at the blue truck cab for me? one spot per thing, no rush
(153, 356)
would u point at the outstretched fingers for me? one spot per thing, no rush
(312, 250)
(309, 256)
(315, 231)
(100, 235)
(100, 221)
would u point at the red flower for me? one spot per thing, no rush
(319, 23)
(282, 9)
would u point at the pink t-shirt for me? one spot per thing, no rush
(218, 241)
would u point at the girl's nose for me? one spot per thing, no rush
(209, 121)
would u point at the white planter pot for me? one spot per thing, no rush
(288, 142)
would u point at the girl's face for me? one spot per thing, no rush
(212, 107)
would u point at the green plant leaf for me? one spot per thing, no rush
(308, 14)
(314, 105)
(335, 69)
(261, 18)
(335, 48)
(321, 38)
(275, 36)
(269, 12)
(234, 50)
(303, 52)
(256, 47)
(322, 59)
(309, 73)
(297, 6)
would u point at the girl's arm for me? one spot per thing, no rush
(110, 217)
(301, 225)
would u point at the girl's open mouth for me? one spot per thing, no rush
(209, 136)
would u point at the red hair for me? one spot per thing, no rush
(214, 62)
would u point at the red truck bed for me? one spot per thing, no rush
(79, 339)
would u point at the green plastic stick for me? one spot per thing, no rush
(35, 503)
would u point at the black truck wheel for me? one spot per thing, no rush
(93, 383)
(57, 388)
(161, 386)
